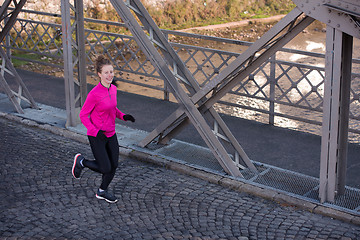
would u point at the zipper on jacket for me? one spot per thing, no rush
(107, 89)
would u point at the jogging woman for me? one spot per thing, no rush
(98, 115)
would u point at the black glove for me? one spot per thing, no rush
(128, 117)
(101, 135)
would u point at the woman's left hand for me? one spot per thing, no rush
(128, 117)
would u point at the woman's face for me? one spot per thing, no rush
(106, 75)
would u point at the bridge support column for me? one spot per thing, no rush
(74, 56)
(335, 114)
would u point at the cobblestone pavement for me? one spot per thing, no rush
(39, 199)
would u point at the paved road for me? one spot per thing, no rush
(40, 199)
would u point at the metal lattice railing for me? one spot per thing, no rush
(281, 88)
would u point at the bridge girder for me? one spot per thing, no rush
(19, 92)
(342, 20)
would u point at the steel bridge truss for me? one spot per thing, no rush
(208, 123)
(341, 18)
(196, 101)
(13, 85)
(342, 22)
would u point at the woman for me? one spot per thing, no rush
(98, 115)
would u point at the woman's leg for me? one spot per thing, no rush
(112, 149)
(106, 153)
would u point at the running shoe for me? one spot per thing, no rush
(106, 196)
(77, 168)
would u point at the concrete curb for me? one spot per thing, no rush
(225, 181)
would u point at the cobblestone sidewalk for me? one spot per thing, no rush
(41, 200)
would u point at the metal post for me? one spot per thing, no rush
(344, 112)
(7, 39)
(166, 87)
(272, 89)
(74, 55)
(335, 114)
(325, 191)
(80, 40)
(68, 63)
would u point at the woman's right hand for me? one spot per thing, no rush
(101, 135)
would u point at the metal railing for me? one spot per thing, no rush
(281, 92)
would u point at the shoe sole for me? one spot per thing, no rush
(75, 158)
(102, 198)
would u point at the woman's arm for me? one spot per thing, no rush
(85, 111)
(120, 114)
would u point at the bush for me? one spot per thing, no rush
(179, 14)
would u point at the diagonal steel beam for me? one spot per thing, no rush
(13, 15)
(23, 93)
(183, 73)
(165, 72)
(7, 66)
(3, 9)
(238, 69)
(177, 120)
(252, 58)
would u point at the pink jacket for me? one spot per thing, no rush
(99, 111)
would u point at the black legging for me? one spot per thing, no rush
(106, 153)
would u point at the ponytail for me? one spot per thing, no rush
(115, 82)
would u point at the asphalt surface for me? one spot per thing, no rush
(39, 199)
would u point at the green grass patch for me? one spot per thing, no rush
(29, 57)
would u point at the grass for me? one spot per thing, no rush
(179, 14)
(19, 63)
